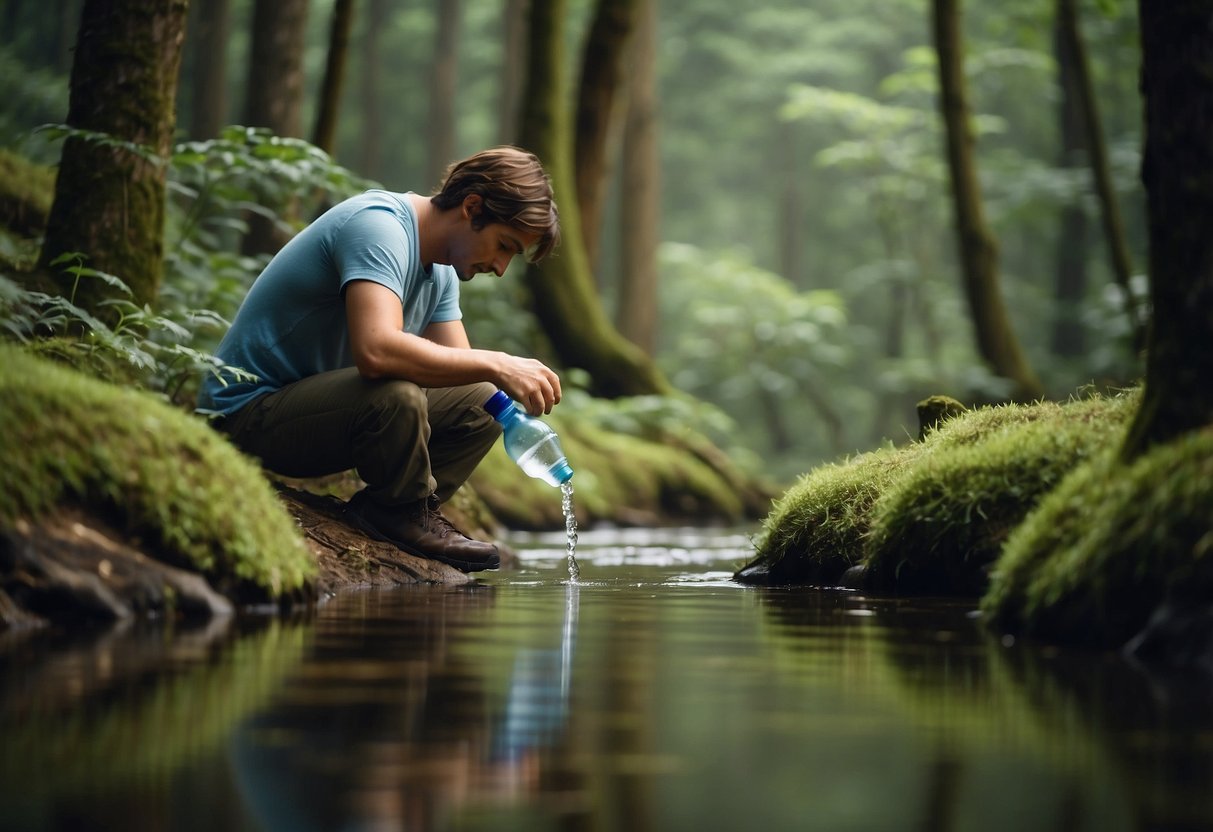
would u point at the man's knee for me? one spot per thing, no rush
(390, 401)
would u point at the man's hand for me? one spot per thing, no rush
(531, 383)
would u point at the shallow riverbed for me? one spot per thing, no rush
(653, 694)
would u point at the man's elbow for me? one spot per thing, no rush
(371, 365)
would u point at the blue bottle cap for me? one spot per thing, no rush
(562, 471)
(497, 403)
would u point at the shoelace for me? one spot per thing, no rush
(435, 522)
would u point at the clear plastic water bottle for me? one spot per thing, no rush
(529, 441)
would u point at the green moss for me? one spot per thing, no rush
(928, 514)
(160, 473)
(815, 532)
(1110, 544)
(939, 527)
(26, 193)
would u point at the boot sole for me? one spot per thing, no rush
(370, 531)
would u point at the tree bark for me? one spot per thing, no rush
(372, 109)
(274, 93)
(597, 97)
(996, 340)
(560, 286)
(210, 24)
(1113, 225)
(440, 125)
(69, 19)
(1070, 286)
(640, 215)
(109, 201)
(513, 68)
(275, 73)
(324, 134)
(1177, 169)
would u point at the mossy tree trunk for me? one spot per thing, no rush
(597, 99)
(109, 200)
(324, 134)
(1109, 209)
(640, 213)
(561, 286)
(996, 339)
(1177, 169)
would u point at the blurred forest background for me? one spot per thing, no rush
(806, 283)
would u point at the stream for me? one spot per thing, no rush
(653, 693)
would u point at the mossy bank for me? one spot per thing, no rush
(1026, 506)
(158, 477)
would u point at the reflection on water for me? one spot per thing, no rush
(651, 694)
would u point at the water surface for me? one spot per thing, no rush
(652, 694)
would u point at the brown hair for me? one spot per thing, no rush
(514, 190)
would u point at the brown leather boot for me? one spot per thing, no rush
(420, 529)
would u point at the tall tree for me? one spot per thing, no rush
(513, 68)
(209, 25)
(275, 69)
(1070, 286)
(274, 92)
(1177, 169)
(1109, 208)
(640, 208)
(440, 125)
(561, 287)
(996, 339)
(371, 152)
(324, 134)
(597, 98)
(109, 196)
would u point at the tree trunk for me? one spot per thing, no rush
(372, 109)
(1070, 287)
(109, 201)
(440, 125)
(69, 19)
(996, 340)
(275, 93)
(560, 286)
(513, 68)
(598, 93)
(324, 135)
(8, 23)
(275, 73)
(210, 24)
(1177, 169)
(1113, 225)
(640, 215)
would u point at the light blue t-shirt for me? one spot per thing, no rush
(292, 323)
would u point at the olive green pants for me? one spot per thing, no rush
(406, 442)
